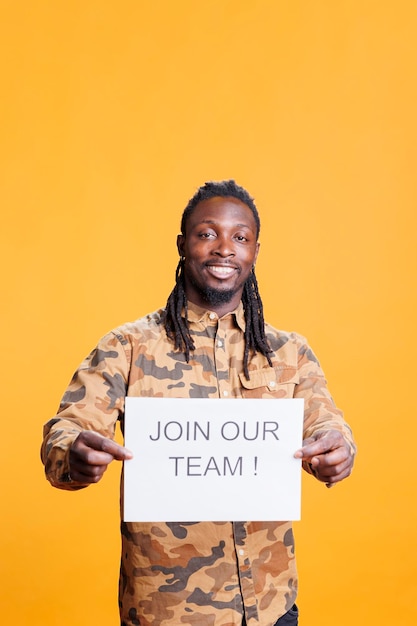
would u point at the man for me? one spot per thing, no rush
(210, 341)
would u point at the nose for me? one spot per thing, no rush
(224, 247)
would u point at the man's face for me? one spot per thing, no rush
(220, 248)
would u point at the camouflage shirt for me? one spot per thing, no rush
(206, 573)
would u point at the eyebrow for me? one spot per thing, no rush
(214, 222)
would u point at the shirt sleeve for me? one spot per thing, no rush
(94, 400)
(320, 411)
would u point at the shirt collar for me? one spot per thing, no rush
(198, 314)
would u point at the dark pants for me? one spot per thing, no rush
(289, 619)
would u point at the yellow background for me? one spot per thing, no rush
(112, 114)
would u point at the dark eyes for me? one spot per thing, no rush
(205, 235)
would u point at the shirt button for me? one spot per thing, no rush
(219, 343)
(225, 393)
(272, 383)
(241, 552)
(212, 316)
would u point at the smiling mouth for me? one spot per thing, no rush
(222, 271)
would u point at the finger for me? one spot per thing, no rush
(332, 480)
(324, 470)
(299, 453)
(330, 459)
(103, 444)
(81, 455)
(87, 469)
(333, 475)
(118, 452)
(323, 445)
(87, 474)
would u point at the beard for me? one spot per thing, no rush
(216, 296)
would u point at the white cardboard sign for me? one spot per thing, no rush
(212, 459)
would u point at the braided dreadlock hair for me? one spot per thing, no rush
(176, 310)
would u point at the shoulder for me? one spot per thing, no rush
(149, 325)
(290, 345)
(279, 338)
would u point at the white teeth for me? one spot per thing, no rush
(224, 271)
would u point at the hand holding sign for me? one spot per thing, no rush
(91, 453)
(329, 455)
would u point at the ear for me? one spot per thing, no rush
(180, 244)
(256, 252)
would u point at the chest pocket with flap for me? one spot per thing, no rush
(270, 382)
